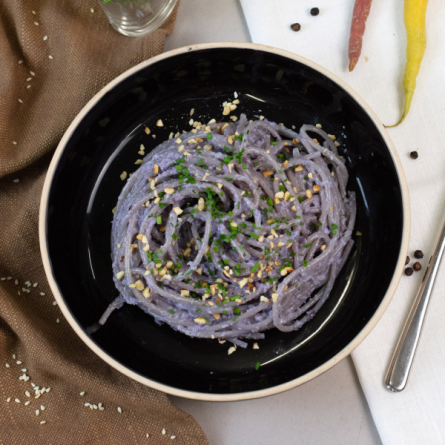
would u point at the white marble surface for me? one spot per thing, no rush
(328, 410)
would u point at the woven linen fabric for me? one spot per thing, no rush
(416, 415)
(39, 97)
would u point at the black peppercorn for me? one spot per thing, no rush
(414, 155)
(409, 271)
(407, 260)
(295, 27)
(417, 266)
(315, 11)
(418, 254)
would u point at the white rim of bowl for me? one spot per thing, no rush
(242, 395)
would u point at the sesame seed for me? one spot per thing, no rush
(35, 284)
(42, 407)
(87, 404)
(37, 412)
(163, 431)
(94, 406)
(16, 282)
(24, 370)
(48, 389)
(17, 400)
(172, 437)
(20, 100)
(92, 10)
(36, 23)
(4, 278)
(27, 403)
(119, 409)
(54, 303)
(18, 292)
(32, 73)
(57, 320)
(45, 38)
(42, 294)
(20, 62)
(27, 394)
(13, 355)
(50, 57)
(29, 86)
(7, 365)
(19, 362)
(42, 422)
(82, 393)
(147, 435)
(14, 142)
(8, 399)
(9, 278)
(34, 12)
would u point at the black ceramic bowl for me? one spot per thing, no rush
(83, 185)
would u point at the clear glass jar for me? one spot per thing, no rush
(137, 17)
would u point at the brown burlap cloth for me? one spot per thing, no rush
(39, 97)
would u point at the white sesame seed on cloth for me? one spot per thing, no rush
(37, 412)
(50, 57)
(119, 409)
(57, 320)
(27, 403)
(45, 38)
(163, 431)
(7, 365)
(17, 400)
(42, 407)
(147, 435)
(172, 437)
(14, 142)
(27, 394)
(42, 294)
(92, 10)
(19, 362)
(82, 393)
(42, 422)
(16, 180)
(35, 284)
(36, 23)
(8, 399)
(13, 355)
(54, 303)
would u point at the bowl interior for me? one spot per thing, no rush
(106, 142)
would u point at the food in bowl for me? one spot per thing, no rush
(233, 228)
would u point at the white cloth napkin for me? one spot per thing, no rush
(416, 415)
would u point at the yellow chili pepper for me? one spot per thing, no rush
(414, 17)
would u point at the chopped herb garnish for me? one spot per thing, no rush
(334, 226)
(159, 219)
(209, 136)
(274, 143)
(269, 201)
(255, 268)
(304, 263)
(308, 245)
(171, 311)
(254, 236)
(334, 232)
(257, 366)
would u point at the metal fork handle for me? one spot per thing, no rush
(402, 359)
